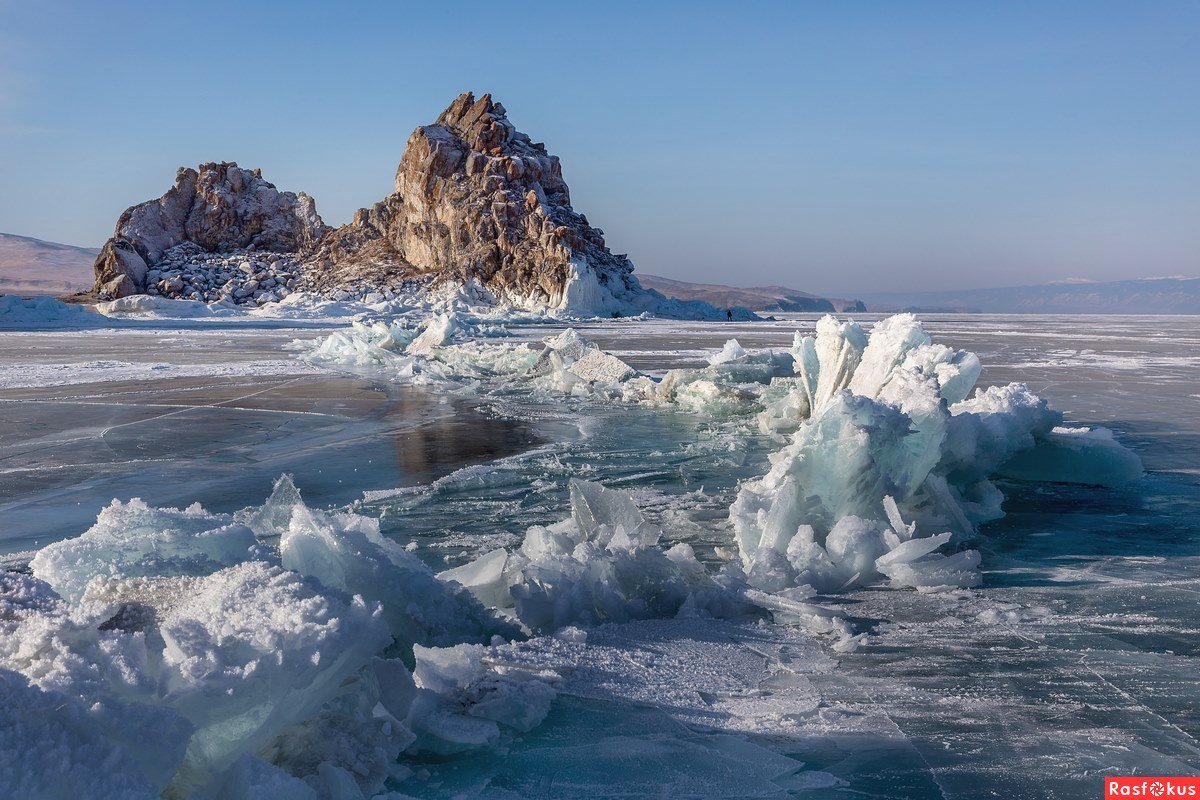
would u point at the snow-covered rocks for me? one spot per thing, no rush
(218, 208)
(504, 197)
(188, 272)
(479, 208)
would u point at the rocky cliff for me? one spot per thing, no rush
(477, 199)
(220, 208)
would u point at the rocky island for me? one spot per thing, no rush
(478, 205)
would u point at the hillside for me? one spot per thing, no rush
(31, 266)
(755, 298)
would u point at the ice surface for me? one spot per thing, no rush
(666, 672)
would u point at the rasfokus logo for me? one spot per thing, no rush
(1151, 786)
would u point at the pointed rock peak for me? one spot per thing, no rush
(481, 123)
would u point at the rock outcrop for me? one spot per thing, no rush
(220, 208)
(477, 200)
(477, 204)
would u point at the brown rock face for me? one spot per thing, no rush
(221, 208)
(476, 199)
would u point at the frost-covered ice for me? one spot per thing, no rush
(702, 590)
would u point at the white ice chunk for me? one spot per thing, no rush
(890, 342)
(464, 699)
(132, 539)
(956, 370)
(569, 346)
(827, 363)
(732, 351)
(600, 367)
(252, 651)
(936, 571)
(601, 565)
(347, 552)
(1075, 455)
(911, 550)
(989, 428)
(484, 577)
(714, 398)
(439, 332)
(609, 517)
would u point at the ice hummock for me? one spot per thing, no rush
(133, 540)
(268, 653)
(346, 552)
(601, 564)
(891, 463)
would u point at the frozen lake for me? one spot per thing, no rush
(1076, 658)
(212, 417)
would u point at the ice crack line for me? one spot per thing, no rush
(1133, 701)
(108, 430)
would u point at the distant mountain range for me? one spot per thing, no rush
(755, 298)
(31, 266)
(1176, 295)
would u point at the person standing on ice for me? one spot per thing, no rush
(729, 314)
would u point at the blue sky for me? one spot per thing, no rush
(832, 147)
